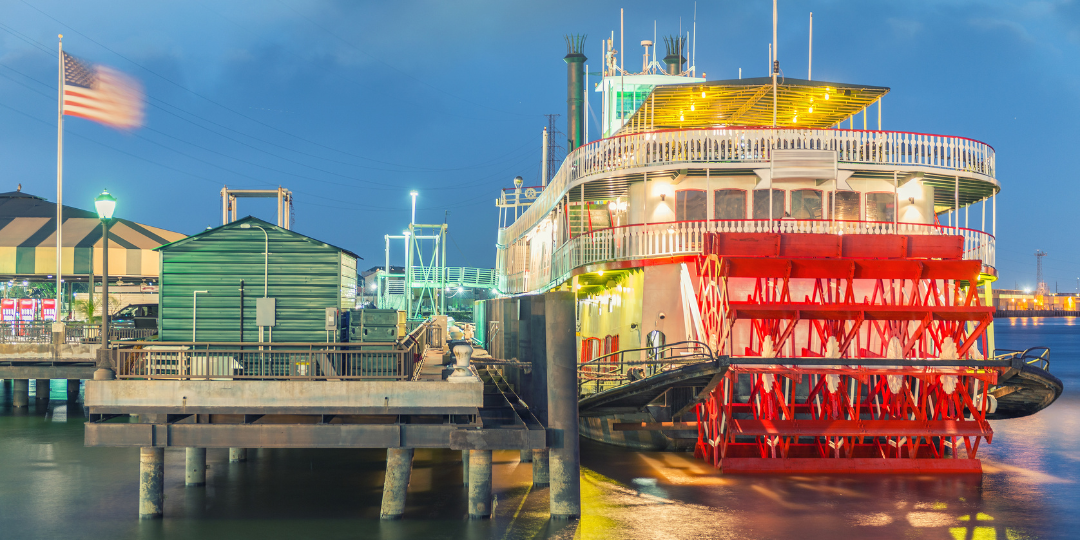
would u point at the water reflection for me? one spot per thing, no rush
(53, 487)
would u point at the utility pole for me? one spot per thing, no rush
(555, 152)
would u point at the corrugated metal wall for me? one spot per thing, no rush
(305, 276)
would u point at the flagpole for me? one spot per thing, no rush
(60, 183)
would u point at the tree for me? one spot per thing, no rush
(88, 309)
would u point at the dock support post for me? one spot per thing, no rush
(195, 467)
(526, 456)
(564, 459)
(151, 482)
(237, 455)
(41, 388)
(541, 475)
(479, 484)
(396, 482)
(73, 389)
(465, 467)
(20, 394)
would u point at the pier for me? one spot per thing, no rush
(422, 393)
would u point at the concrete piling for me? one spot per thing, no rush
(20, 394)
(396, 482)
(237, 455)
(479, 484)
(195, 467)
(526, 456)
(151, 482)
(465, 467)
(541, 475)
(42, 388)
(73, 389)
(564, 459)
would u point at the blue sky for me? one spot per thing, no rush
(352, 104)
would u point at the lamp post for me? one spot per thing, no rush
(105, 205)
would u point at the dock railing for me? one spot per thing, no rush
(225, 361)
(622, 367)
(74, 333)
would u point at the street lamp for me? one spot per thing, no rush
(105, 205)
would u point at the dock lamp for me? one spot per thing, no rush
(105, 204)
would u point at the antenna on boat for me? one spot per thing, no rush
(622, 44)
(693, 47)
(810, 61)
(775, 66)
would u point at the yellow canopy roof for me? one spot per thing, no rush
(749, 102)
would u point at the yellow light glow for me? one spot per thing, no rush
(600, 273)
(703, 95)
(680, 117)
(691, 106)
(826, 97)
(811, 109)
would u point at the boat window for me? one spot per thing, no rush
(806, 204)
(729, 204)
(847, 205)
(880, 207)
(627, 102)
(761, 204)
(690, 205)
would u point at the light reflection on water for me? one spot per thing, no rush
(53, 487)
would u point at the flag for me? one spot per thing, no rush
(101, 94)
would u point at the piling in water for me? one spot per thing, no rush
(465, 467)
(41, 388)
(479, 484)
(195, 467)
(151, 482)
(526, 456)
(73, 389)
(541, 475)
(20, 394)
(237, 455)
(564, 460)
(396, 482)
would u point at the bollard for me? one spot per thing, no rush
(396, 482)
(42, 388)
(151, 482)
(564, 460)
(479, 484)
(237, 455)
(195, 467)
(526, 456)
(465, 467)
(20, 394)
(541, 476)
(73, 389)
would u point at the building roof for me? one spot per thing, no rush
(255, 221)
(748, 102)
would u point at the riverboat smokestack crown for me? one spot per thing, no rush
(674, 58)
(575, 90)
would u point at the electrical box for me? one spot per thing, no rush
(266, 312)
(331, 319)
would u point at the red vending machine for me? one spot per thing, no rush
(48, 309)
(7, 309)
(27, 309)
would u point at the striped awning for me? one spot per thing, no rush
(28, 241)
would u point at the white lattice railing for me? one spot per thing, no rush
(754, 145)
(657, 240)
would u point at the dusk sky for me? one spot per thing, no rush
(352, 104)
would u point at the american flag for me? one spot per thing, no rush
(101, 94)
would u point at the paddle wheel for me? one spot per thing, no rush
(848, 353)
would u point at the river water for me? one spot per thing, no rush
(53, 487)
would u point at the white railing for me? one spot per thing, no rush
(657, 240)
(458, 276)
(754, 145)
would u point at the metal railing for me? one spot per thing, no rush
(1033, 356)
(456, 276)
(754, 145)
(284, 361)
(613, 369)
(657, 240)
(74, 333)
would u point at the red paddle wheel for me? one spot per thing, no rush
(901, 317)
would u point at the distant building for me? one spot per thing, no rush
(1019, 300)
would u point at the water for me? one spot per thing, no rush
(53, 487)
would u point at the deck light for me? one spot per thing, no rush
(691, 106)
(703, 95)
(612, 206)
(105, 205)
(600, 273)
(811, 109)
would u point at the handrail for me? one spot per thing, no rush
(622, 371)
(753, 145)
(548, 268)
(1027, 356)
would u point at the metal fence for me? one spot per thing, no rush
(621, 367)
(302, 361)
(74, 333)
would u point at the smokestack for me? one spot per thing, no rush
(674, 58)
(575, 90)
